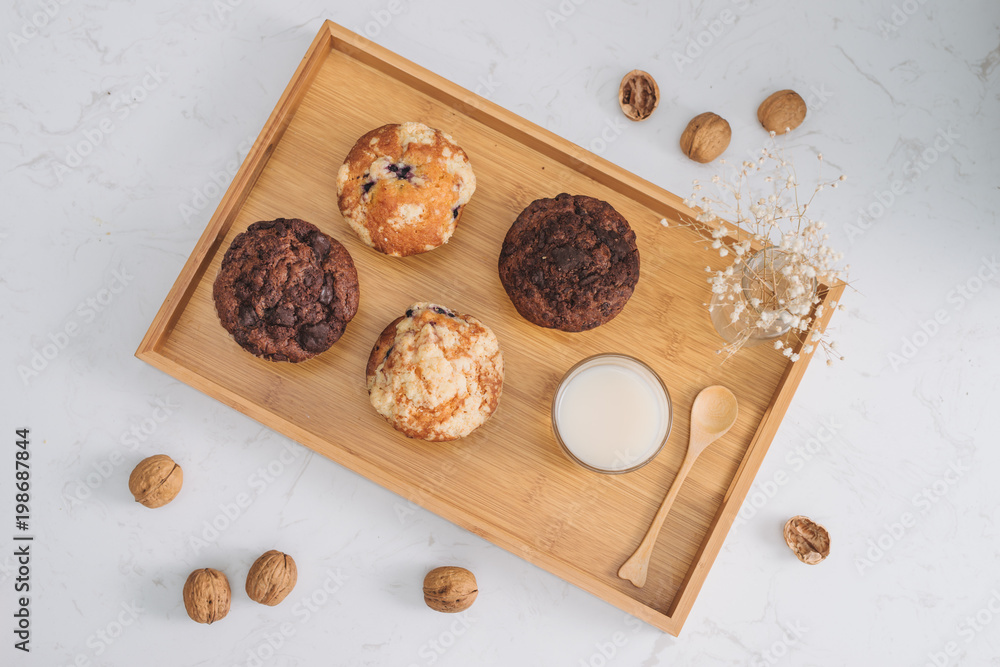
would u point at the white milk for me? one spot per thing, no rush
(612, 413)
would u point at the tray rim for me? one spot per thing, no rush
(334, 36)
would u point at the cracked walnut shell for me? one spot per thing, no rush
(782, 111)
(706, 137)
(638, 95)
(156, 481)
(271, 578)
(808, 540)
(207, 595)
(450, 589)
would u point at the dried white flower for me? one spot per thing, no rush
(773, 216)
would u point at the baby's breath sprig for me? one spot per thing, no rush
(780, 254)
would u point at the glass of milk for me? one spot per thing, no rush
(611, 413)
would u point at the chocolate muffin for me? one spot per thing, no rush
(403, 188)
(286, 290)
(569, 263)
(435, 374)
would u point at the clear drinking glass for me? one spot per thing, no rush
(611, 413)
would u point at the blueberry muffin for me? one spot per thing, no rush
(569, 263)
(403, 188)
(286, 290)
(434, 374)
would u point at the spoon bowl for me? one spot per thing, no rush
(714, 411)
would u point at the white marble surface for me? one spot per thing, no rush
(902, 94)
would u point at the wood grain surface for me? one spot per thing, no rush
(509, 481)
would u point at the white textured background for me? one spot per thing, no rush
(903, 98)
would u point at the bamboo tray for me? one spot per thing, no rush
(508, 482)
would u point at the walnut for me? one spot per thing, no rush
(706, 137)
(807, 539)
(156, 481)
(782, 111)
(450, 589)
(207, 595)
(271, 578)
(638, 95)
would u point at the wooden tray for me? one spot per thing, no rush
(508, 482)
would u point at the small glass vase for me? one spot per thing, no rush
(758, 304)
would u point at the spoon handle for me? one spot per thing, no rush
(636, 566)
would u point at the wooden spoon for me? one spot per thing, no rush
(712, 415)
